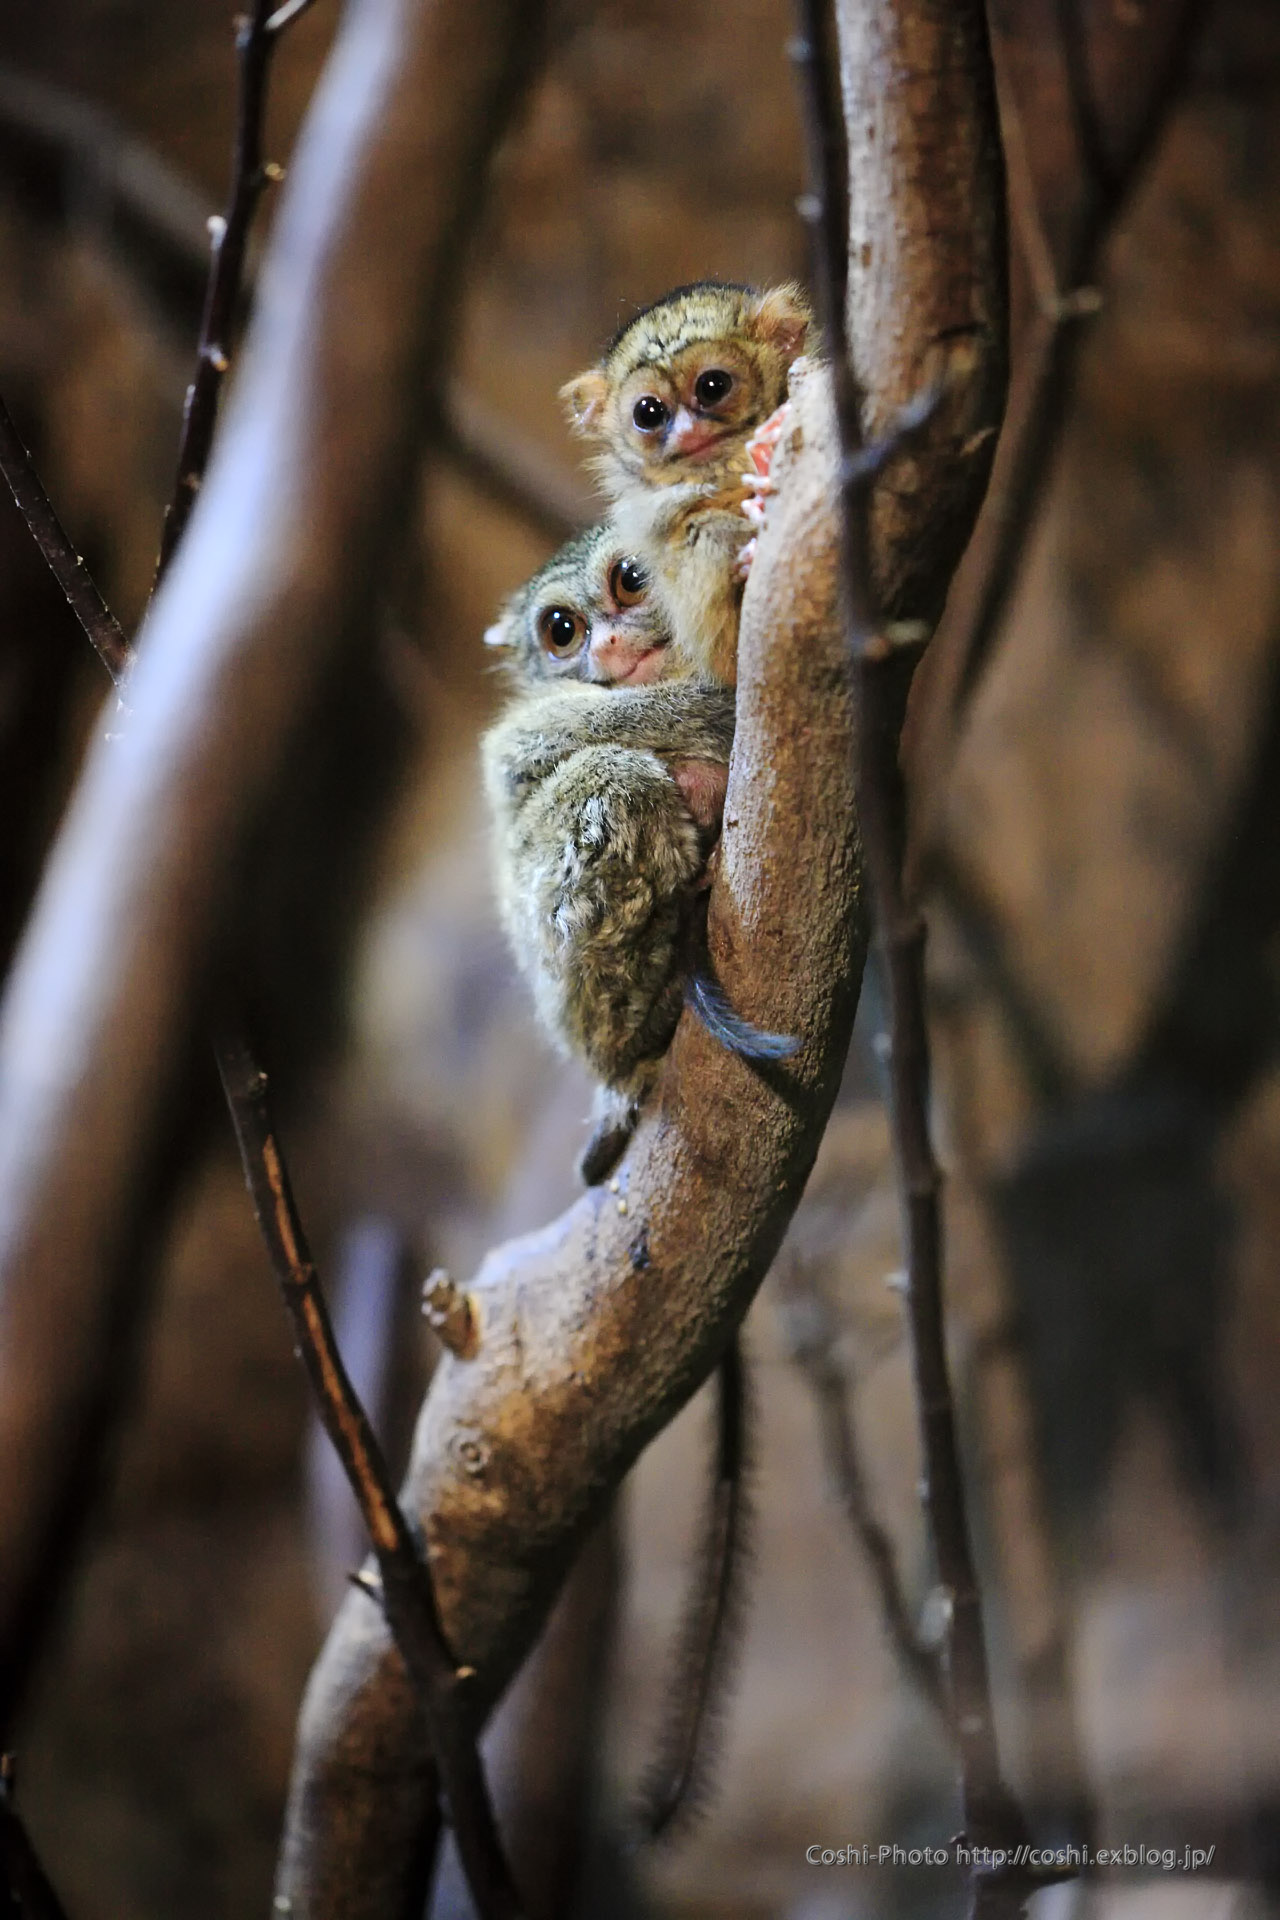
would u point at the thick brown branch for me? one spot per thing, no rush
(303, 495)
(593, 1332)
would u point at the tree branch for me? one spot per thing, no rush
(1142, 96)
(924, 158)
(303, 492)
(593, 1332)
(813, 1338)
(103, 630)
(256, 35)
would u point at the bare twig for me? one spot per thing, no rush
(813, 1338)
(256, 35)
(1045, 380)
(405, 1585)
(72, 156)
(104, 631)
(992, 1819)
(25, 1888)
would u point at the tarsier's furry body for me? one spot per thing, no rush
(599, 857)
(606, 785)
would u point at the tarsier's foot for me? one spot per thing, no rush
(758, 478)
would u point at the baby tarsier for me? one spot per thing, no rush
(677, 403)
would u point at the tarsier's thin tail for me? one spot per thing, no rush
(677, 1782)
(708, 999)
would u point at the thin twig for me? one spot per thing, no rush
(1040, 400)
(24, 1885)
(286, 15)
(813, 1338)
(255, 41)
(405, 1585)
(104, 631)
(991, 1817)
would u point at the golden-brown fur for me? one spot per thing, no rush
(677, 484)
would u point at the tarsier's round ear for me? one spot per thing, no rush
(584, 398)
(782, 317)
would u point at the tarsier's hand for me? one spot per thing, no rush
(758, 478)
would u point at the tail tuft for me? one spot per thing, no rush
(704, 994)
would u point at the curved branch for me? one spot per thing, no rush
(594, 1331)
(297, 520)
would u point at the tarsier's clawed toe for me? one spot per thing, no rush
(758, 481)
(761, 446)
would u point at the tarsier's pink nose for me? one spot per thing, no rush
(622, 656)
(691, 435)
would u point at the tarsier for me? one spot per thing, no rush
(606, 779)
(677, 403)
(607, 773)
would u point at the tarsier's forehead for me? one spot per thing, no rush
(574, 573)
(688, 317)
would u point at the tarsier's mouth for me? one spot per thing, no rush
(697, 441)
(641, 660)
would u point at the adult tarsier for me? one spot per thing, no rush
(607, 772)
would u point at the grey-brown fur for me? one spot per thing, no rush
(598, 855)
(598, 858)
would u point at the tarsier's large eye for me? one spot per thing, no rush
(627, 582)
(649, 413)
(711, 387)
(561, 630)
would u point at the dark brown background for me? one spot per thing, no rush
(1103, 892)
